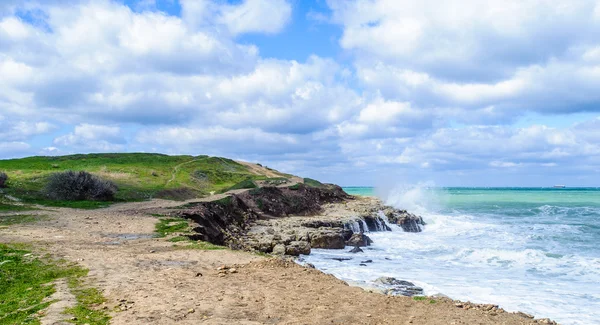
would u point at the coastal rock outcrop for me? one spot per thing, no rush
(397, 287)
(293, 220)
(407, 221)
(359, 240)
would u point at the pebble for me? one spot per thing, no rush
(191, 311)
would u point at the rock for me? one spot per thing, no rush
(310, 266)
(360, 240)
(408, 221)
(279, 249)
(341, 259)
(356, 250)
(399, 287)
(329, 239)
(367, 261)
(524, 315)
(546, 321)
(296, 248)
(232, 270)
(362, 264)
(191, 311)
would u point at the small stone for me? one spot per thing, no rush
(233, 271)
(368, 315)
(73, 318)
(191, 311)
(198, 274)
(152, 251)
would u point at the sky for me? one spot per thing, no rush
(355, 92)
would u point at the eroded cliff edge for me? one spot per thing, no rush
(293, 220)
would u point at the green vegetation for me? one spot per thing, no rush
(88, 300)
(168, 226)
(423, 298)
(26, 280)
(312, 182)
(8, 207)
(20, 219)
(247, 183)
(139, 176)
(201, 245)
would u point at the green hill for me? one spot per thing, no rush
(139, 176)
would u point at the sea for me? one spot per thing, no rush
(535, 250)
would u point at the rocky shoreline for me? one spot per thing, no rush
(291, 221)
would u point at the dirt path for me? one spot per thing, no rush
(176, 169)
(164, 284)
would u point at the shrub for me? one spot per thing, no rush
(3, 179)
(79, 186)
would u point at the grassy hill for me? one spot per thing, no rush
(139, 176)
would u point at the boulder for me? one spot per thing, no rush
(327, 239)
(296, 248)
(399, 287)
(411, 223)
(279, 249)
(360, 240)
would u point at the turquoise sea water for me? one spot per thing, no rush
(530, 249)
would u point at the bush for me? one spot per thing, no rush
(3, 179)
(79, 186)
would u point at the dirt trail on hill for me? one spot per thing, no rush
(153, 281)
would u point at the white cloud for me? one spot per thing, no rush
(94, 137)
(249, 16)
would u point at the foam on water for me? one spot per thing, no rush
(530, 251)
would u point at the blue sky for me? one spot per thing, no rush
(357, 92)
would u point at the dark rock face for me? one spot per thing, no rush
(408, 221)
(220, 222)
(303, 200)
(399, 287)
(223, 222)
(359, 240)
(376, 224)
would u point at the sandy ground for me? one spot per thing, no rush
(149, 281)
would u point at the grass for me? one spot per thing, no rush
(168, 226)
(423, 298)
(88, 300)
(26, 281)
(201, 245)
(139, 176)
(7, 207)
(312, 182)
(20, 219)
(247, 183)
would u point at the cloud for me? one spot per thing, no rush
(516, 56)
(248, 16)
(416, 88)
(92, 137)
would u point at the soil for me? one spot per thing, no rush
(152, 281)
